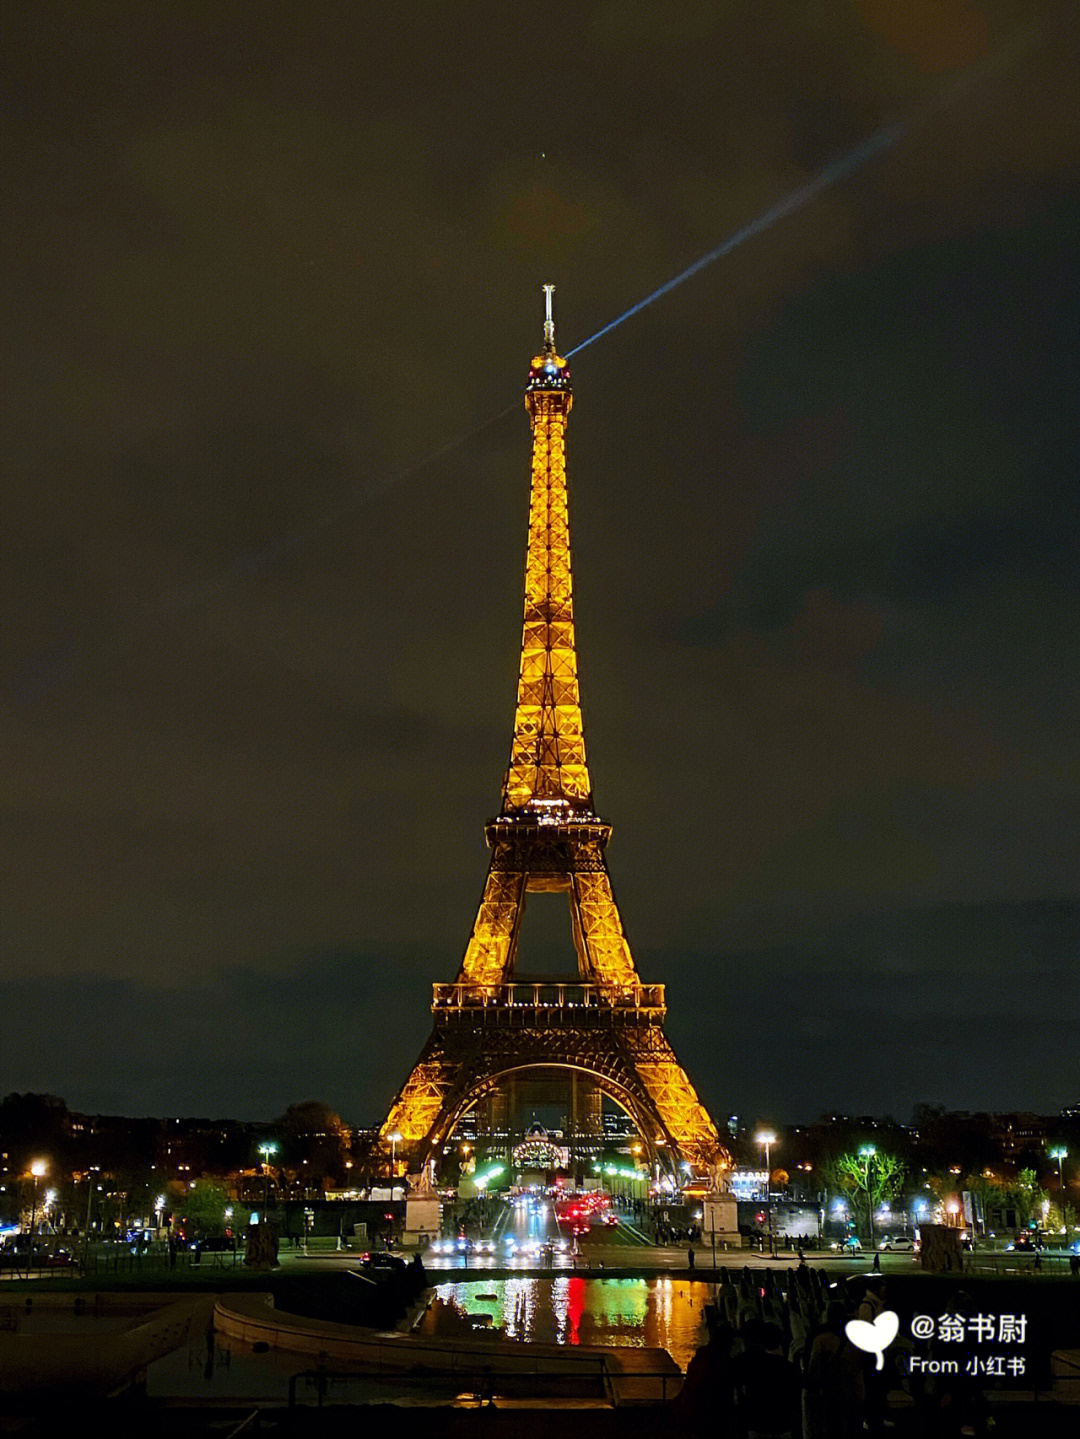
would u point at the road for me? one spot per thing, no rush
(528, 1236)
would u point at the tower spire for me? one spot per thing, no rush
(547, 770)
(549, 322)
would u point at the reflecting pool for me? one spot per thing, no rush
(657, 1312)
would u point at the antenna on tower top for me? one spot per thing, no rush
(549, 322)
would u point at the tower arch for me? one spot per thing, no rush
(616, 1086)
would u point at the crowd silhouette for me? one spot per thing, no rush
(778, 1364)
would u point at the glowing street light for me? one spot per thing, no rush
(1060, 1153)
(766, 1138)
(39, 1168)
(866, 1153)
(395, 1140)
(267, 1148)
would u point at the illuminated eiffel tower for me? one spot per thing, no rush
(605, 1026)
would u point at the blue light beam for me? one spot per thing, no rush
(836, 170)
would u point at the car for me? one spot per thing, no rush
(897, 1244)
(371, 1260)
(611, 1220)
(451, 1245)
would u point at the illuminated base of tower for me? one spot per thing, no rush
(487, 1040)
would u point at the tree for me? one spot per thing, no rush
(990, 1194)
(205, 1206)
(1028, 1195)
(316, 1140)
(866, 1175)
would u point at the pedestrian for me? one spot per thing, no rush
(834, 1392)
(875, 1380)
(766, 1385)
(877, 1262)
(690, 1256)
(705, 1403)
(873, 1300)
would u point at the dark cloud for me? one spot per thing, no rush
(901, 429)
(125, 1046)
(873, 1016)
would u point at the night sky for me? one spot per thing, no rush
(271, 288)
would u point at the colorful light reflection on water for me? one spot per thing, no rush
(654, 1313)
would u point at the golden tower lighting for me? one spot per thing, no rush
(605, 1025)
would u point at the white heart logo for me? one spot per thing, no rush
(874, 1338)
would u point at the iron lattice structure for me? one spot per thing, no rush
(547, 837)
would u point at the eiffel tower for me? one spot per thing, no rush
(607, 1026)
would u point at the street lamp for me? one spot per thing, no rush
(266, 1149)
(767, 1139)
(38, 1169)
(395, 1140)
(866, 1153)
(1060, 1153)
(94, 1169)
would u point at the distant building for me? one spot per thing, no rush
(748, 1184)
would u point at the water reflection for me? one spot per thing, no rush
(650, 1313)
(574, 1310)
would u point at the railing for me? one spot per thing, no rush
(548, 996)
(569, 1378)
(576, 1377)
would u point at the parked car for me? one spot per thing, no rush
(373, 1260)
(897, 1244)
